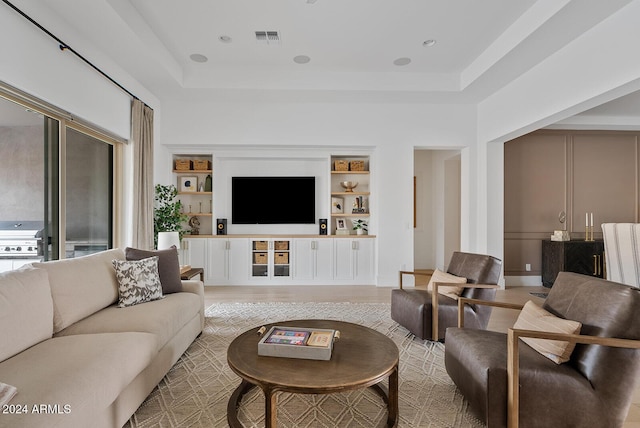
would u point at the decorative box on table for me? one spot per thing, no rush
(303, 343)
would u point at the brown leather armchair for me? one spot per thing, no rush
(508, 383)
(427, 315)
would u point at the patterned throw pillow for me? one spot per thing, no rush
(138, 281)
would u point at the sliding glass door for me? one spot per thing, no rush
(89, 194)
(58, 174)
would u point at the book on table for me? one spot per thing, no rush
(293, 342)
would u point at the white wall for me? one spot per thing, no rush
(390, 131)
(595, 68)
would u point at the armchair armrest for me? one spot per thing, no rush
(434, 302)
(426, 272)
(513, 336)
(465, 300)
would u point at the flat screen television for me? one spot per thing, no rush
(273, 200)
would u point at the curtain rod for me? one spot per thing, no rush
(64, 46)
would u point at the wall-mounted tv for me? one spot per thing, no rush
(273, 200)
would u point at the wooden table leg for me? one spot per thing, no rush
(270, 401)
(392, 405)
(234, 403)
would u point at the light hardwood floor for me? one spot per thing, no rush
(501, 319)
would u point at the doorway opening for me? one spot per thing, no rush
(437, 190)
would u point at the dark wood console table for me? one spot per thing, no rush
(585, 257)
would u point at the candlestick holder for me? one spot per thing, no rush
(589, 234)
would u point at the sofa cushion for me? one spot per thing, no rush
(533, 317)
(26, 310)
(452, 291)
(168, 266)
(81, 374)
(81, 286)
(138, 281)
(163, 318)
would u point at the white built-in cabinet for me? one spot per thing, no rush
(227, 259)
(258, 260)
(270, 259)
(354, 260)
(224, 260)
(313, 259)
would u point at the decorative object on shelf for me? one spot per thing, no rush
(201, 187)
(349, 185)
(168, 239)
(341, 224)
(358, 205)
(167, 215)
(207, 183)
(341, 165)
(188, 184)
(588, 227)
(561, 235)
(183, 165)
(221, 228)
(194, 222)
(360, 226)
(356, 165)
(337, 205)
(322, 226)
(201, 165)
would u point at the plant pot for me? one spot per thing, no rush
(360, 232)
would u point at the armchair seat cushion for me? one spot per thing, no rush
(476, 360)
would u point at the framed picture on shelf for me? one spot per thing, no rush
(341, 224)
(337, 205)
(189, 184)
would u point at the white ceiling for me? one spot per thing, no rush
(480, 45)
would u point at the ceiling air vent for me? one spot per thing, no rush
(268, 37)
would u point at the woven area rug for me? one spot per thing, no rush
(196, 390)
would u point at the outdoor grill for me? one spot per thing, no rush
(21, 239)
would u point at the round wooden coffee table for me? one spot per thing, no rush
(361, 358)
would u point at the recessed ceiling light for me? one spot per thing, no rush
(428, 43)
(301, 59)
(225, 39)
(198, 58)
(402, 61)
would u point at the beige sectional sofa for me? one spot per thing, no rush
(78, 360)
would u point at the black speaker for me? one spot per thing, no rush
(323, 226)
(222, 226)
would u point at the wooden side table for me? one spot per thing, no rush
(191, 273)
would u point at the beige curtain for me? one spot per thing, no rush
(143, 190)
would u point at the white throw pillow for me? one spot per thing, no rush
(452, 291)
(533, 317)
(138, 281)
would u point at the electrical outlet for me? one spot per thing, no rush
(527, 267)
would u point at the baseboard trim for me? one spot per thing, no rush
(520, 281)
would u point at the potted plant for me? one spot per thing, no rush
(360, 226)
(167, 215)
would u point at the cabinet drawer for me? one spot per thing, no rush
(260, 258)
(260, 245)
(281, 258)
